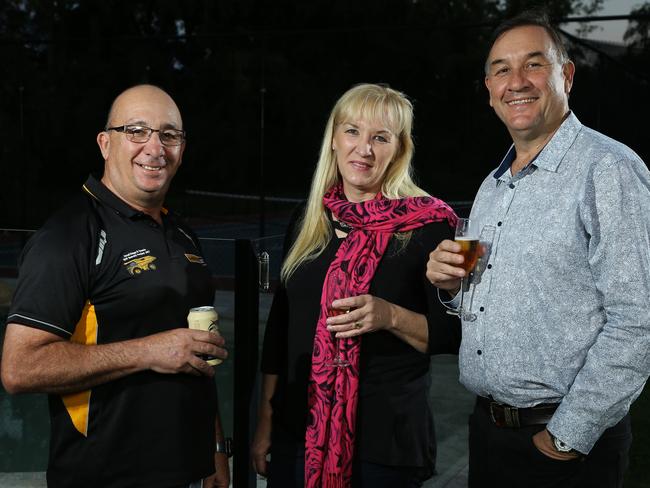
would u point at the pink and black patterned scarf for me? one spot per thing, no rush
(332, 391)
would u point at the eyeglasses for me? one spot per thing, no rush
(142, 134)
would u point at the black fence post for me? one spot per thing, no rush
(246, 358)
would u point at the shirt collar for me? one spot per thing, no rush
(96, 189)
(551, 156)
(506, 162)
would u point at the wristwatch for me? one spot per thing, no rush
(560, 446)
(224, 446)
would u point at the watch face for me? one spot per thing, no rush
(561, 446)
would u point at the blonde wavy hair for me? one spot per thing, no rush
(370, 102)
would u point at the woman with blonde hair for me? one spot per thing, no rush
(346, 350)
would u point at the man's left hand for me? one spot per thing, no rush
(544, 443)
(221, 477)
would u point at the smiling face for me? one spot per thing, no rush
(363, 150)
(140, 173)
(529, 86)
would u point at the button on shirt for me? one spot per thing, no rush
(563, 305)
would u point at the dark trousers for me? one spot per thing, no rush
(507, 458)
(287, 470)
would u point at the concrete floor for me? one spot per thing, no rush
(451, 405)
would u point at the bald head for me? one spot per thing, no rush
(141, 96)
(138, 169)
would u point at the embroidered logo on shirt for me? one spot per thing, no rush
(138, 261)
(193, 258)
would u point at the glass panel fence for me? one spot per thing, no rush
(24, 420)
(220, 256)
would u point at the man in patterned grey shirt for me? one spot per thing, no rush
(556, 331)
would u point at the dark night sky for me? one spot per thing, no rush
(227, 63)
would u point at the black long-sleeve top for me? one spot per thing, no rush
(394, 422)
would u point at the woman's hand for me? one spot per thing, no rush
(221, 476)
(366, 314)
(261, 446)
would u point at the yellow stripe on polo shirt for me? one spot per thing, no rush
(78, 404)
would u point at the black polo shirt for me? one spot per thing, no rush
(98, 272)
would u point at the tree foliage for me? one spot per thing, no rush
(637, 34)
(255, 82)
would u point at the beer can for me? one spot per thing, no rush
(205, 318)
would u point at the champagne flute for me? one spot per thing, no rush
(485, 241)
(468, 238)
(338, 361)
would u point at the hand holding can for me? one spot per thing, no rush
(205, 318)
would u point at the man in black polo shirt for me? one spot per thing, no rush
(98, 319)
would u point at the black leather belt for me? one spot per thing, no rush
(506, 416)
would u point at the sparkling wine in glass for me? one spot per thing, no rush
(468, 237)
(485, 241)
